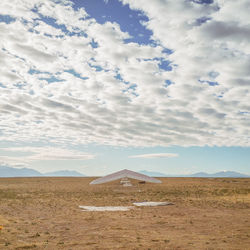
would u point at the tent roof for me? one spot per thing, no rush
(123, 174)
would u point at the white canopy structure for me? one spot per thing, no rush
(125, 174)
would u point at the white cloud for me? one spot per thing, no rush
(152, 156)
(27, 155)
(56, 87)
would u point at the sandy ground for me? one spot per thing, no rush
(43, 213)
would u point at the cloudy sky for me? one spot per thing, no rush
(101, 85)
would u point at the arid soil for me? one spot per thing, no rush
(43, 213)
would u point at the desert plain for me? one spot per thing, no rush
(44, 213)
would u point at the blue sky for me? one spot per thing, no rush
(98, 86)
(115, 11)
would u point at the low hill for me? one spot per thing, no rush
(222, 174)
(6, 171)
(63, 173)
(152, 174)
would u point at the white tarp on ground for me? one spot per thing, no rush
(124, 208)
(109, 208)
(125, 174)
(151, 203)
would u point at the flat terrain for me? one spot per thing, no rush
(43, 213)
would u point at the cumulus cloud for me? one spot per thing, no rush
(59, 87)
(152, 156)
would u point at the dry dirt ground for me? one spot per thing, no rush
(43, 213)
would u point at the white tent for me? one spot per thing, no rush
(125, 174)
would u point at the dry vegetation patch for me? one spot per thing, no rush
(43, 213)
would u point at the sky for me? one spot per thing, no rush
(97, 86)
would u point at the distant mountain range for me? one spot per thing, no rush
(153, 174)
(64, 173)
(6, 171)
(222, 174)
